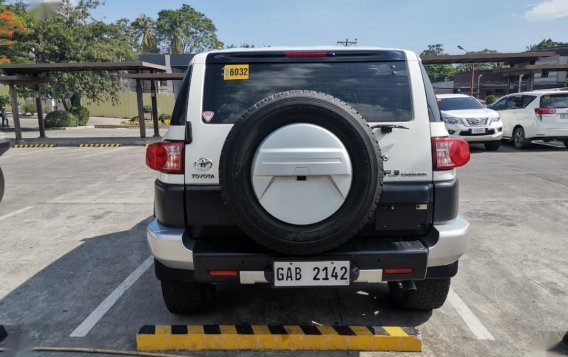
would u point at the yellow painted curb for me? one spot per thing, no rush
(98, 145)
(277, 338)
(27, 146)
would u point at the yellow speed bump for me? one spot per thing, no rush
(28, 146)
(98, 145)
(277, 338)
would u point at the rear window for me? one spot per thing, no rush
(554, 101)
(380, 91)
(459, 103)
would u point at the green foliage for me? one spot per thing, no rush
(145, 29)
(544, 44)
(163, 117)
(186, 30)
(490, 99)
(147, 108)
(30, 108)
(71, 35)
(82, 114)
(60, 119)
(438, 72)
(4, 101)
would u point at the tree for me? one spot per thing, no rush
(145, 27)
(71, 35)
(438, 72)
(186, 30)
(544, 44)
(13, 30)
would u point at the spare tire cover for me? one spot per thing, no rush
(301, 172)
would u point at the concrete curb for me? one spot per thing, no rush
(115, 126)
(277, 338)
(84, 142)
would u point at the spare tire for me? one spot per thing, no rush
(301, 172)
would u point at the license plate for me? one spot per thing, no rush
(478, 130)
(321, 273)
(563, 115)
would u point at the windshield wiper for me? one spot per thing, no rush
(387, 128)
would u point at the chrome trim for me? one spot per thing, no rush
(369, 276)
(166, 245)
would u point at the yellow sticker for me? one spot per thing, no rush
(546, 97)
(233, 72)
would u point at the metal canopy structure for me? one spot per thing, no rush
(37, 73)
(507, 58)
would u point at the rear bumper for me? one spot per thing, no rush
(176, 251)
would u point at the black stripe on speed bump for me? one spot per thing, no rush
(344, 330)
(310, 330)
(244, 329)
(179, 329)
(377, 330)
(211, 329)
(147, 330)
(277, 330)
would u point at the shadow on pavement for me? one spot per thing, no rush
(51, 304)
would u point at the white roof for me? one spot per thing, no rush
(455, 95)
(306, 48)
(542, 92)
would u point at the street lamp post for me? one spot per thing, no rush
(472, 71)
(479, 84)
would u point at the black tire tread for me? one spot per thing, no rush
(184, 298)
(525, 144)
(363, 124)
(1, 185)
(430, 294)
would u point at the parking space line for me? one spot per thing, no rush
(16, 212)
(85, 327)
(107, 152)
(480, 332)
(31, 152)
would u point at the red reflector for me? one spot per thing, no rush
(301, 54)
(449, 153)
(223, 273)
(398, 271)
(541, 111)
(166, 156)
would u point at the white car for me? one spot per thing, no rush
(536, 115)
(468, 119)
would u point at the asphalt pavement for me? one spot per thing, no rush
(72, 240)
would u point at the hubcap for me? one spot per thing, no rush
(301, 174)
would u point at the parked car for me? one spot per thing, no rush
(468, 119)
(535, 115)
(306, 168)
(4, 146)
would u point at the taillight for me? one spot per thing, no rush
(166, 156)
(449, 153)
(302, 54)
(541, 111)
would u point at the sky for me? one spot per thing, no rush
(503, 25)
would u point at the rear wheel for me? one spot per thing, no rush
(184, 298)
(519, 138)
(493, 145)
(429, 294)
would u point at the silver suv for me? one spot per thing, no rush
(306, 168)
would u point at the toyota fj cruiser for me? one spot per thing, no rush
(306, 168)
